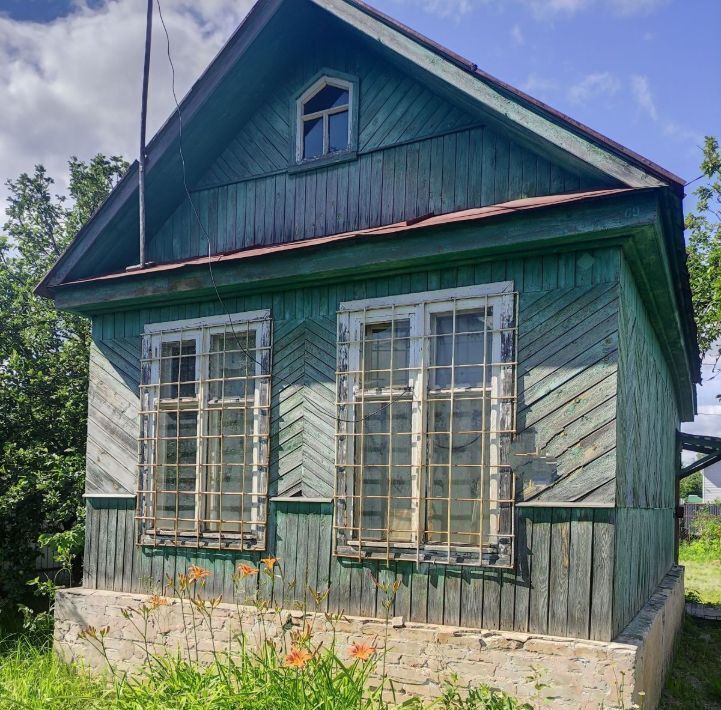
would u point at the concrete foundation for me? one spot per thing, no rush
(420, 657)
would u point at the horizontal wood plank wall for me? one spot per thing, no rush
(563, 584)
(418, 153)
(648, 419)
(565, 556)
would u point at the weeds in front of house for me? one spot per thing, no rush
(280, 663)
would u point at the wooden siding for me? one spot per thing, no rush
(567, 344)
(302, 444)
(418, 153)
(113, 420)
(436, 175)
(562, 586)
(648, 460)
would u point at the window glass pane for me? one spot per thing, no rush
(313, 138)
(177, 366)
(383, 471)
(470, 352)
(338, 132)
(387, 345)
(458, 480)
(231, 370)
(328, 97)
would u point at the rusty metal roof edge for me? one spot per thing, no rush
(458, 217)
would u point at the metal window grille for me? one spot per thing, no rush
(203, 445)
(426, 395)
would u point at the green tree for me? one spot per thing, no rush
(43, 368)
(691, 485)
(704, 249)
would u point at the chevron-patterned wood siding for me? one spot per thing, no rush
(113, 420)
(303, 420)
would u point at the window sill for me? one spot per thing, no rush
(324, 162)
(204, 542)
(426, 555)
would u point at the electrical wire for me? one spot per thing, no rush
(320, 412)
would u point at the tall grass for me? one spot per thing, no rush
(32, 676)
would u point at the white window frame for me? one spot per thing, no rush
(418, 308)
(324, 114)
(201, 330)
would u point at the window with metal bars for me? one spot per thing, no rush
(203, 446)
(426, 392)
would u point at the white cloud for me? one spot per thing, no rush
(549, 9)
(72, 86)
(683, 135)
(593, 85)
(635, 7)
(539, 86)
(453, 9)
(517, 35)
(641, 91)
(544, 9)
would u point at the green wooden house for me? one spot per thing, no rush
(405, 323)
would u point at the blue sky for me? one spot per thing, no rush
(646, 73)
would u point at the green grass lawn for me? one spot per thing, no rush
(703, 571)
(695, 677)
(704, 578)
(694, 682)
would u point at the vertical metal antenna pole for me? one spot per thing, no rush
(143, 116)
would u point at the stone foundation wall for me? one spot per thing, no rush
(420, 657)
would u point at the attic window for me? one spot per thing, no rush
(324, 119)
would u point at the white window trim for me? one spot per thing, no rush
(317, 86)
(418, 308)
(201, 330)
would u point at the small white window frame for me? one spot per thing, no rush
(321, 83)
(201, 330)
(418, 308)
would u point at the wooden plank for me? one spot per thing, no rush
(538, 603)
(580, 568)
(524, 563)
(559, 572)
(491, 599)
(452, 594)
(601, 626)
(419, 592)
(436, 593)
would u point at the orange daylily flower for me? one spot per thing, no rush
(298, 657)
(156, 601)
(361, 651)
(247, 570)
(270, 562)
(196, 573)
